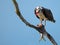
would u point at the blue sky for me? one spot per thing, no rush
(14, 32)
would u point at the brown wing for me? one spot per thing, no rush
(48, 14)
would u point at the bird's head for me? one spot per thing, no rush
(37, 10)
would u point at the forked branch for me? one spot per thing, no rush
(40, 29)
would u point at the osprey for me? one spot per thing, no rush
(44, 14)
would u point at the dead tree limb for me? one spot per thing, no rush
(40, 29)
(20, 15)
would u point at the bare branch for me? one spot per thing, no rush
(21, 17)
(40, 29)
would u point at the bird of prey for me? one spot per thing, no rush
(39, 28)
(44, 14)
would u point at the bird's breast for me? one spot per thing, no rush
(41, 16)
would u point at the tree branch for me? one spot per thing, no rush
(40, 29)
(22, 18)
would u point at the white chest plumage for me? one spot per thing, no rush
(41, 16)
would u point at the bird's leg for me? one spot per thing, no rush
(45, 23)
(41, 21)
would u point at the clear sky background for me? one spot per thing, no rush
(14, 32)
